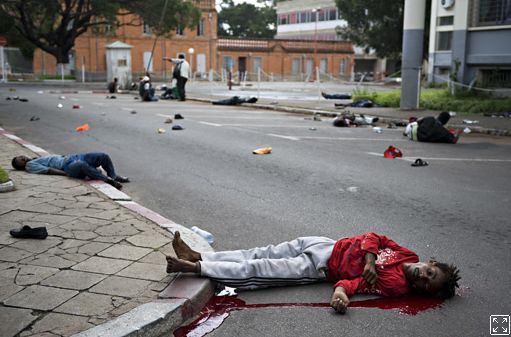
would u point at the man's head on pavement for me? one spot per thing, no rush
(19, 162)
(433, 278)
(444, 117)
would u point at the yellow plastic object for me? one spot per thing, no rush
(263, 150)
(160, 130)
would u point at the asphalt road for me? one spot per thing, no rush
(329, 181)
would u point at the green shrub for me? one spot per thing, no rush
(56, 77)
(441, 100)
(4, 177)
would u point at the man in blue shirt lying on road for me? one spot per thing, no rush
(81, 166)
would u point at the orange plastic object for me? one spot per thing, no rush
(392, 152)
(84, 127)
(263, 150)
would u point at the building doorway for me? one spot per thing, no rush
(242, 68)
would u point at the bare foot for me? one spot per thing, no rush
(183, 251)
(177, 265)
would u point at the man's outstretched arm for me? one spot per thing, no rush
(340, 300)
(56, 172)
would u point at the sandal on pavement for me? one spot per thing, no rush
(419, 162)
(28, 232)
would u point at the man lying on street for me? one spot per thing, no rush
(79, 166)
(431, 129)
(370, 263)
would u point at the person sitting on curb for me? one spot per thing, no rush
(147, 91)
(370, 263)
(81, 166)
(431, 129)
(112, 86)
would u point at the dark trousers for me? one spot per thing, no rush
(181, 82)
(86, 165)
(431, 130)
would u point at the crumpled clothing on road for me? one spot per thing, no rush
(235, 100)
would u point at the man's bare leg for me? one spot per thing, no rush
(175, 265)
(183, 251)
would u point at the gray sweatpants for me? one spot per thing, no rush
(300, 261)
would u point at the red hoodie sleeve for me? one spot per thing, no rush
(372, 242)
(360, 286)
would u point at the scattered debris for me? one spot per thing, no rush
(40, 92)
(467, 130)
(12, 89)
(468, 121)
(133, 112)
(177, 127)
(392, 152)
(111, 97)
(62, 97)
(419, 162)
(178, 116)
(8, 98)
(135, 97)
(84, 127)
(168, 121)
(452, 113)
(23, 99)
(398, 122)
(391, 125)
(34, 118)
(103, 113)
(76, 106)
(312, 129)
(274, 103)
(60, 106)
(498, 114)
(15, 98)
(317, 117)
(161, 130)
(263, 150)
(377, 129)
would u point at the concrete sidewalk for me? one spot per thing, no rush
(101, 270)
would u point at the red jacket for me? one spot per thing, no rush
(347, 263)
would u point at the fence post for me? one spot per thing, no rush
(229, 79)
(4, 73)
(83, 69)
(258, 82)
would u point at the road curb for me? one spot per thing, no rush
(183, 298)
(382, 119)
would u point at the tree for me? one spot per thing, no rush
(374, 24)
(247, 20)
(377, 24)
(54, 25)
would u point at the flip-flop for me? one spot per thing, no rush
(419, 162)
(28, 232)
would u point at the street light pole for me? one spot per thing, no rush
(191, 51)
(315, 10)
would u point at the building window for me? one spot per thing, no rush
(446, 20)
(323, 65)
(444, 41)
(495, 78)
(283, 19)
(295, 70)
(179, 30)
(146, 29)
(122, 63)
(332, 14)
(304, 16)
(321, 15)
(228, 63)
(344, 66)
(257, 63)
(200, 28)
(491, 12)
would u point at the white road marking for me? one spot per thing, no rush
(353, 189)
(355, 138)
(34, 148)
(210, 124)
(285, 137)
(98, 103)
(166, 116)
(127, 109)
(489, 160)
